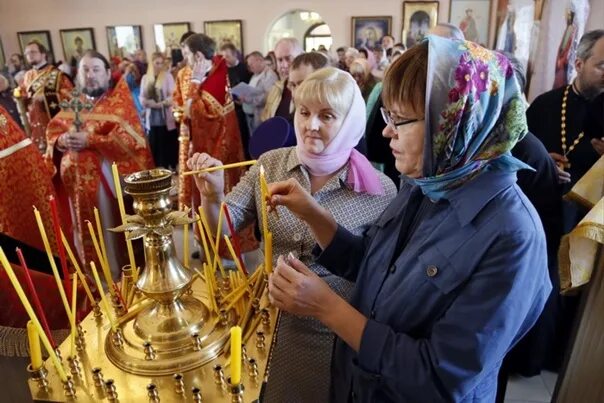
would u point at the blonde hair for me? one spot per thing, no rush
(154, 86)
(330, 86)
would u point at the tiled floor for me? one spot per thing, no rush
(538, 389)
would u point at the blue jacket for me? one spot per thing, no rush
(469, 283)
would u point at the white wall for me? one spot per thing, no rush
(257, 16)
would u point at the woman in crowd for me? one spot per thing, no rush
(454, 272)
(329, 121)
(157, 87)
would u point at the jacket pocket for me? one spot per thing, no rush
(442, 272)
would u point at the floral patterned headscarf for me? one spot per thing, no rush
(475, 115)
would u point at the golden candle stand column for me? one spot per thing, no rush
(153, 341)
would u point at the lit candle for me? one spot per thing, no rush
(74, 297)
(99, 231)
(233, 254)
(235, 355)
(53, 266)
(103, 295)
(35, 351)
(120, 203)
(186, 244)
(35, 298)
(54, 214)
(99, 255)
(263, 196)
(30, 312)
(76, 265)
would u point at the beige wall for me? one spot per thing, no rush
(257, 16)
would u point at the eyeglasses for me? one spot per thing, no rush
(389, 121)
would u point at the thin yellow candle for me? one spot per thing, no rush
(99, 231)
(35, 351)
(218, 233)
(204, 221)
(32, 316)
(78, 270)
(235, 355)
(268, 252)
(120, 204)
(210, 286)
(53, 266)
(204, 242)
(234, 255)
(104, 267)
(103, 296)
(218, 168)
(74, 297)
(263, 196)
(186, 245)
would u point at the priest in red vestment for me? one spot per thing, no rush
(26, 181)
(111, 132)
(212, 122)
(43, 88)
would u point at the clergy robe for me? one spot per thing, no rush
(84, 177)
(26, 181)
(213, 129)
(44, 89)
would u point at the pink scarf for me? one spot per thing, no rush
(362, 177)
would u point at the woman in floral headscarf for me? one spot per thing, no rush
(454, 272)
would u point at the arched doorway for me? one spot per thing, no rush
(302, 25)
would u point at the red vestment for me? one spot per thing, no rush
(26, 181)
(213, 130)
(115, 134)
(43, 90)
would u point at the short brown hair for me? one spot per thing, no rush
(201, 43)
(405, 79)
(314, 59)
(41, 48)
(228, 46)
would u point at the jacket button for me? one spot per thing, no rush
(392, 269)
(372, 316)
(431, 271)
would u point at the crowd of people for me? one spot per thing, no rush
(420, 206)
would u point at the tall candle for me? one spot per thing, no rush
(99, 231)
(54, 214)
(202, 235)
(204, 221)
(233, 254)
(104, 267)
(218, 236)
(235, 355)
(234, 236)
(263, 205)
(103, 295)
(74, 297)
(53, 266)
(268, 252)
(35, 298)
(30, 312)
(35, 351)
(186, 245)
(76, 265)
(120, 203)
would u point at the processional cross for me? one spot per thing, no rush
(77, 106)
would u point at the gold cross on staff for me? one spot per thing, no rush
(77, 106)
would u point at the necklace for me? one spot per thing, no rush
(565, 152)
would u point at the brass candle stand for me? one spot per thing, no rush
(172, 339)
